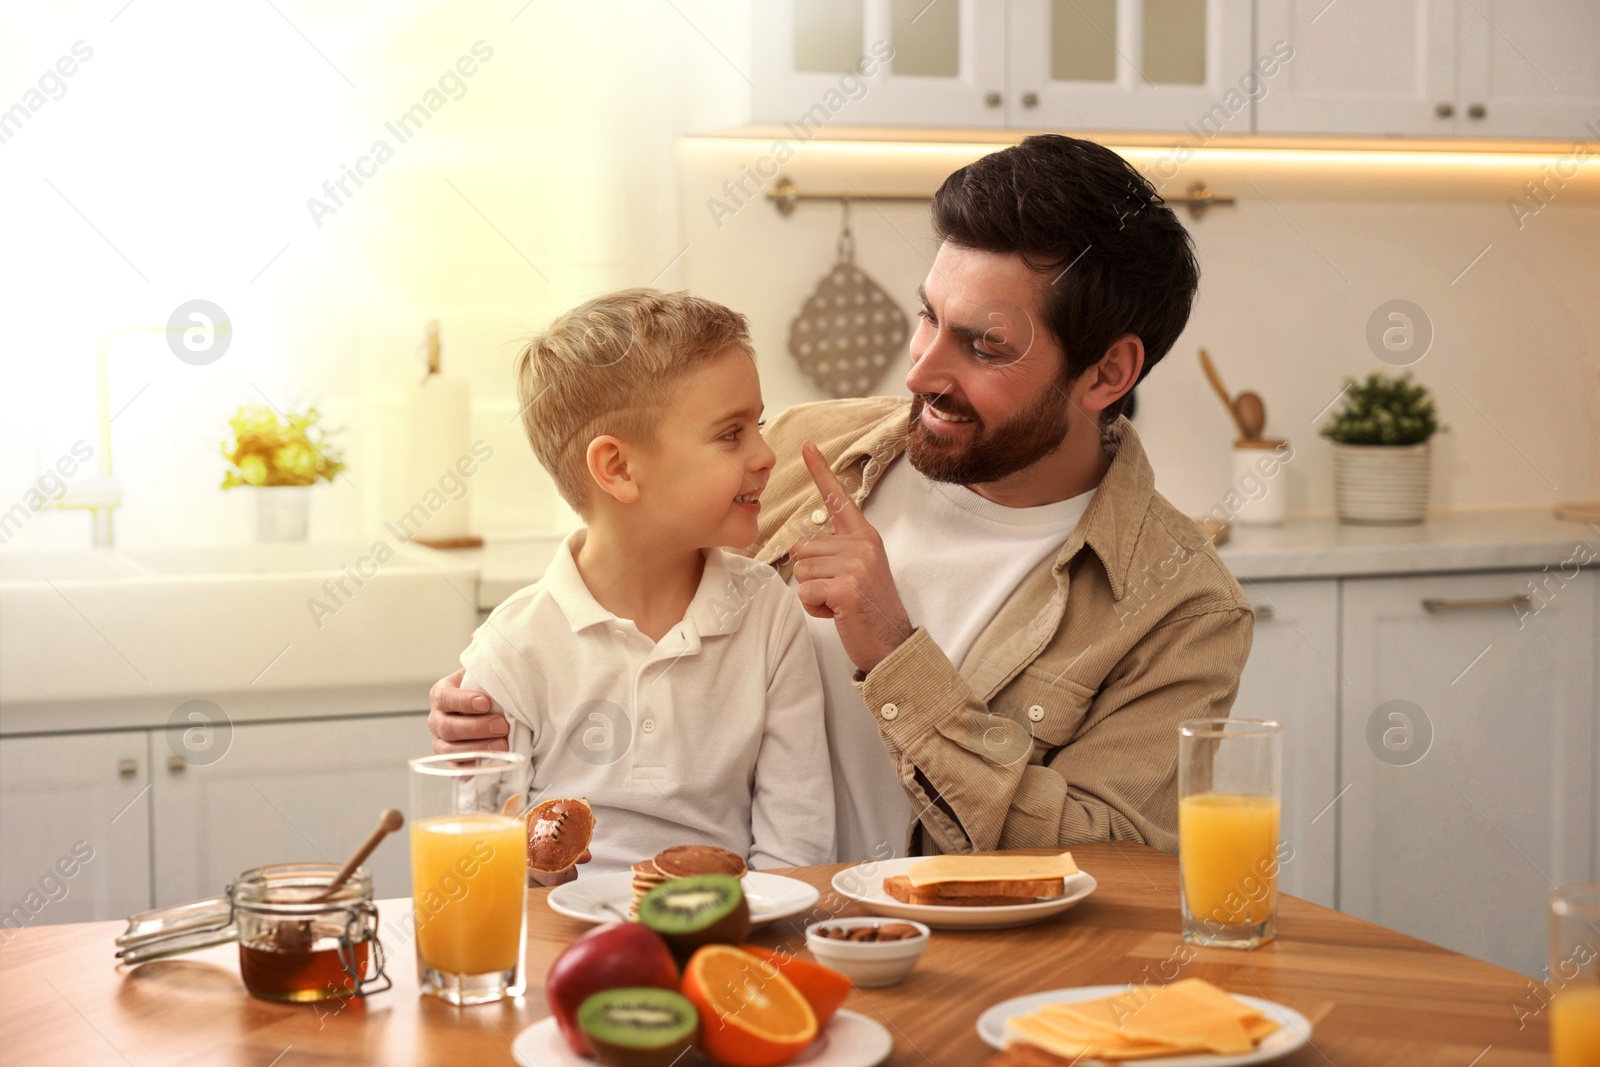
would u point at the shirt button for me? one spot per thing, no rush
(889, 711)
(819, 516)
(1035, 712)
(648, 726)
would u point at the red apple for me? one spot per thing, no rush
(607, 957)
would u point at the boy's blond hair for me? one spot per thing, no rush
(609, 367)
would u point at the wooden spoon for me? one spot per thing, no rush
(1251, 411)
(1222, 391)
(390, 821)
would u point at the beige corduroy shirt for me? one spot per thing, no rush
(1061, 723)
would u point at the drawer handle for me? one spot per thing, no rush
(127, 767)
(175, 764)
(1263, 611)
(1433, 605)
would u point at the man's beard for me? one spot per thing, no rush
(991, 454)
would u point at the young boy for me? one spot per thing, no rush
(668, 682)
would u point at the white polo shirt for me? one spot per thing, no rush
(713, 736)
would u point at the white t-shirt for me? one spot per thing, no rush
(956, 559)
(712, 736)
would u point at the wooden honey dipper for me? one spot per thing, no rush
(299, 936)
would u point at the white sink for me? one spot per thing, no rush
(61, 565)
(101, 624)
(292, 557)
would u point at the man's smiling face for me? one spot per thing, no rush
(987, 399)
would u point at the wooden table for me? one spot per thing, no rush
(1375, 997)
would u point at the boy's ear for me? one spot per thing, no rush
(607, 460)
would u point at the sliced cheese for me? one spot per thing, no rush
(1172, 1018)
(1188, 1016)
(937, 869)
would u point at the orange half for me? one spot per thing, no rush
(750, 1015)
(824, 988)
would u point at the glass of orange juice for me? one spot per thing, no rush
(1229, 773)
(1574, 975)
(468, 876)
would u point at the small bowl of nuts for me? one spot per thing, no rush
(871, 951)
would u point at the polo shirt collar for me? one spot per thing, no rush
(718, 605)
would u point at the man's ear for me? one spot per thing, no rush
(1117, 372)
(607, 460)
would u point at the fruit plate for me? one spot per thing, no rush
(604, 898)
(863, 884)
(1294, 1029)
(849, 1040)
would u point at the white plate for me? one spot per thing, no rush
(863, 883)
(1293, 1032)
(849, 1040)
(771, 896)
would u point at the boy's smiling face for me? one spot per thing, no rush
(699, 483)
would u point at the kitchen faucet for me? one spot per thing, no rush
(103, 495)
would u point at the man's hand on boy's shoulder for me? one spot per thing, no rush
(463, 720)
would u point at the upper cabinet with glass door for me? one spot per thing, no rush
(1132, 65)
(1419, 68)
(879, 63)
(1097, 64)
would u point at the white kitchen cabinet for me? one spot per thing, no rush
(1529, 69)
(1130, 64)
(1432, 68)
(1467, 740)
(1291, 678)
(78, 803)
(946, 63)
(281, 792)
(1101, 64)
(1361, 67)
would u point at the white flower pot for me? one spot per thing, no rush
(283, 512)
(1381, 485)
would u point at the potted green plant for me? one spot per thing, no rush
(283, 458)
(1382, 460)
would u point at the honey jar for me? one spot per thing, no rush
(297, 942)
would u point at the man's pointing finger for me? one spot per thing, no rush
(847, 518)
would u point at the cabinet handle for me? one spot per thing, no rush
(127, 768)
(1477, 111)
(1444, 110)
(175, 764)
(1030, 99)
(991, 99)
(1434, 606)
(1263, 611)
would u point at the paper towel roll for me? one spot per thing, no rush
(440, 435)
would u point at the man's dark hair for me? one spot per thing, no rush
(1119, 259)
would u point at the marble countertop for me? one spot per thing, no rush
(1300, 548)
(1452, 541)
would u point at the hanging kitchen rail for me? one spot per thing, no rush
(784, 194)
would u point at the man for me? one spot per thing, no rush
(1010, 621)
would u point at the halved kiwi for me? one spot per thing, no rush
(638, 1026)
(707, 909)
